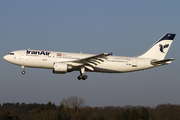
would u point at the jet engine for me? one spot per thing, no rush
(62, 68)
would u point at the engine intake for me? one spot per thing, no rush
(62, 68)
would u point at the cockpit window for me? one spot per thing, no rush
(11, 53)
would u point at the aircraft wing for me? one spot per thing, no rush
(162, 62)
(92, 61)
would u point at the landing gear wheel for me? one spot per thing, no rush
(80, 77)
(23, 72)
(84, 77)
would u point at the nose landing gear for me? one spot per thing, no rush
(23, 72)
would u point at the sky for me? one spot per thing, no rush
(125, 28)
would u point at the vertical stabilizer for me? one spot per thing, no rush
(159, 50)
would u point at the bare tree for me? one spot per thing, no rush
(73, 101)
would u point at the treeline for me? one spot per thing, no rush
(49, 111)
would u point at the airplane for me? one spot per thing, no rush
(63, 62)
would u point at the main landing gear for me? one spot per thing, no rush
(23, 72)
(82, 75)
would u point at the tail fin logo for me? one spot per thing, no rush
(162, 47)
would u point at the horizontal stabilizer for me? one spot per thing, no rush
(162, 62)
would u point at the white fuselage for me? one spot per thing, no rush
(63, 62)
(46, 59)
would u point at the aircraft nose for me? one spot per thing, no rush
(5, 57)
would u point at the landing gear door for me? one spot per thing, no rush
(134, 62)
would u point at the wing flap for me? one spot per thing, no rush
(92, 61)
(89, 68)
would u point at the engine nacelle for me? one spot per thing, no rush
(62, 68)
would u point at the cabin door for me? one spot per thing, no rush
(134, 62)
